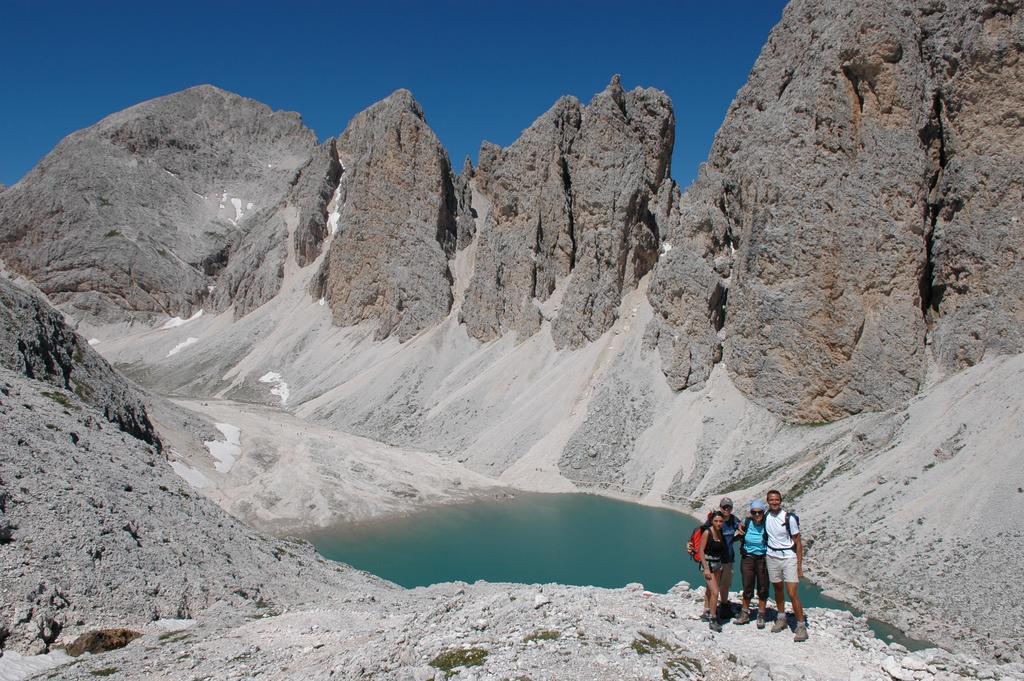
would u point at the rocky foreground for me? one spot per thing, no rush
(100, 535)
(507, 631)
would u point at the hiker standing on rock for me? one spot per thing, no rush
(730, 525)
(712, 552)
(785, 562)
(753, 563)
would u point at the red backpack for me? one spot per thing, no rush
(693, 546)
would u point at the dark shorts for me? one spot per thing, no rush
(754, 570)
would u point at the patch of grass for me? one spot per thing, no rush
(752, 478)
(83, 390)
(60, 399)
(263, 609)
(543, 635)
(837, 471)
(106, 671)
(648, 643)
(682, 667)
(278, 552)
(806, 481)
(112, 233)
(466, 657)
(696, 504)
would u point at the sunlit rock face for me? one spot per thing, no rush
(861, 196)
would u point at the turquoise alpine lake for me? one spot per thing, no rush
(579, 539)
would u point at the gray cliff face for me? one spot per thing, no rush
(975, 230)
(36, 343)
(396, 224)
(840, 216)
(96, 528)
(526, 243)
(571, 201)
(140, 212)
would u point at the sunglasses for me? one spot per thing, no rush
(757, 512)
(727, 508)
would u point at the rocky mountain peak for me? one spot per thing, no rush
(570, 200)
(137, 215)
(396, 226)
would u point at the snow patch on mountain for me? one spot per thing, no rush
(174, 322)
(226, 451)
(280, 387)
(182, 345)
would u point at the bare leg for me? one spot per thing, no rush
(724, 584)
(798, 608)
(712, 591)
(780, 599)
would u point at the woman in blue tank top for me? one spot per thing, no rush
(753, 565)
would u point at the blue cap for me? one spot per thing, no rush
(758, 506)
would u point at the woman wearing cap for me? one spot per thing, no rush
(753, 565)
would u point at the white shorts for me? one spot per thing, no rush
(782, 570)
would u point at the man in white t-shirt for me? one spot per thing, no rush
(785, 562)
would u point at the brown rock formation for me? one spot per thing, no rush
(388, 260)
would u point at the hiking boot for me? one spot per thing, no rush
(760, 621)
(801, 633)
(706, 617)
(742, 618)
(713, 625)
(780, 624)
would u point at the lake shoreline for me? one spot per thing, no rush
(403, 534)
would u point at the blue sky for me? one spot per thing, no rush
(481, 70)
